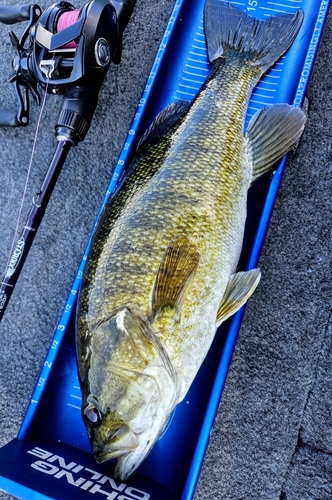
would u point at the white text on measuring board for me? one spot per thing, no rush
(84, 478)
(311, 53)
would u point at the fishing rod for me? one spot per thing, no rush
(63, 51)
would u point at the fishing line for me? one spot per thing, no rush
(28, 175)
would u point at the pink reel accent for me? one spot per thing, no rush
(65, 20)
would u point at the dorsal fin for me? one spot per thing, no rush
(164, 121)
(175, 273)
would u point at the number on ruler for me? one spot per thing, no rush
(141, 102)
(41, 381)
(55, 344)
(252, 4)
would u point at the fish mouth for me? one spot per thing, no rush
(102, 456)
(120, 442)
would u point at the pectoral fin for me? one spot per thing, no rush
(240, 287)
(271, 133)
(175, 273)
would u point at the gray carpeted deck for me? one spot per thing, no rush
(272, 439)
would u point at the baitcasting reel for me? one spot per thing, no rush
(65, 51)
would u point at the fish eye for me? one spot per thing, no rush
(92, 416)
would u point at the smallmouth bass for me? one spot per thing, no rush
(161, 272)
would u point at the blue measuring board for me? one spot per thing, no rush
(51, 456)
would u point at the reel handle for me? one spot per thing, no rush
(13, 15)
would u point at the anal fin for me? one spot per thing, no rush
(175, 273)
(239, 288)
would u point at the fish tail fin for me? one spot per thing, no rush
(259, 43)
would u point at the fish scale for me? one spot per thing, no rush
(160, 275)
